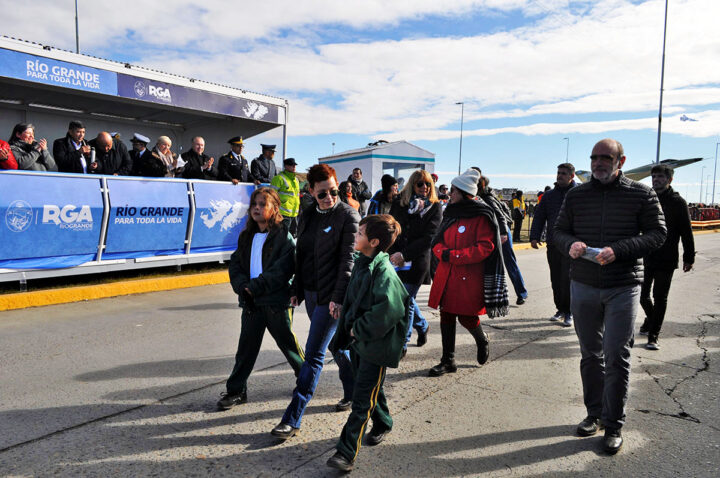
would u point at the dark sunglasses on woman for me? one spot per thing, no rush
(332, 192)
(423, 183)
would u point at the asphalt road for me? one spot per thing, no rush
(127, 387)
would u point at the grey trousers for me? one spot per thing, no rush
(604, 322)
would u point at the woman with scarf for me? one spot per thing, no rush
(30, 155)
(470, 280)
(346, 195)
(419, 213)
(169, 164)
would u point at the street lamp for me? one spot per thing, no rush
(707, 189)
(333, 149)
(715, 172)
(462, 119)
(567, 150)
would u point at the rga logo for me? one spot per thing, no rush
(68, 217)
(18, 216)
(160, 93)
(139, 88)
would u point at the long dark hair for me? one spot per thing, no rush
(251, 226)
(19, 129)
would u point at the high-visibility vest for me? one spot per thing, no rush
(288, 188)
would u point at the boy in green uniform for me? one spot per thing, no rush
(373, 325)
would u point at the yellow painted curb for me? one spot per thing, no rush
(76, 294)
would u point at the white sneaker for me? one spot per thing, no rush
(557, 317)
(568, 322)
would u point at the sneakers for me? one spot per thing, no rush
(422, 336)
(376, 436)
(520, 301)
(652, 343)
(644, 329)
(568, 322)
(589, 426)
(228, 401)
(557, 317)
(343, 405)
(612, 442)
(283, 431)
(341, 463)
(442, 368)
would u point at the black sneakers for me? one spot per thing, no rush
(589, 426)
(376, 436)
(228, 401)
(343, 405)
(612, 442)
(652, 343)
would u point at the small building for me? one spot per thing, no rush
(398, 159)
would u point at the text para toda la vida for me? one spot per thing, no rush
(149, 215)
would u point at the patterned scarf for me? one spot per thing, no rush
(495, 287)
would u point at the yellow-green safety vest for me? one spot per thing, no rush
(288, 188)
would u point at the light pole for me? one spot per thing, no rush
(567, 150)
(702, 172)
(707, 189)
(662, 80)
(333, 148)
(462, 119)
(715, 172)
(77, 30)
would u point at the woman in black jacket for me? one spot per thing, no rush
(325, 246)
(419, 213)
(260, 273)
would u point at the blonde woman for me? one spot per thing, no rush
(419, 213)
(169, 160)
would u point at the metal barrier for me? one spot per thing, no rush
(57, 224)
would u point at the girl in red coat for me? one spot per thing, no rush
(470, 279)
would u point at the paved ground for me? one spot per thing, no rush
(127, 387)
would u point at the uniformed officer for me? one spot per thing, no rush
(263, 167)
(233, 165)
(288, 187)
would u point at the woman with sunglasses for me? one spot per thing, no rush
(419, 213)
(324, 260)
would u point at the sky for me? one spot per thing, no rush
(530, 73)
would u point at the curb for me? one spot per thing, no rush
(66, 295)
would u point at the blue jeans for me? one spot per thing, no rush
(322, 330)
(513, 270)
(604, 322)
(418, 322)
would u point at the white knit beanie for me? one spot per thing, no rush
(467, 182)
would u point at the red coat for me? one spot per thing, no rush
(458, 284)
(10, 162)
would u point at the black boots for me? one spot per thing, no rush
(447, 362)
(483, 344)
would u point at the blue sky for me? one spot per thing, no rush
(531, 72)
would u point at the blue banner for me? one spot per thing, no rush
(49, 217)
(220, 215)
(175, 95)
(147, 218)
(23, 66)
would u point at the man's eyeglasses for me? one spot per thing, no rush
(420, 184)
(603, 157)
(332, 192)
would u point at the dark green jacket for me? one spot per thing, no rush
(272, 287)
(374, 309)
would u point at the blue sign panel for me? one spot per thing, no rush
(45, 216)
(23, 66)
(220, 215)
(175, 95)
(147, 218)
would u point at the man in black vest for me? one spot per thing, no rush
(606, 226)
(233, 165)
(660, 264)
(263, 167)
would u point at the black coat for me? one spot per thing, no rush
(230, 168)
(414, 241)
(115, 161)
(677, 221)
(272, 287)
(624, 215)
(262, 169)
(67, 158)
(547, 212)
(193, 166)
(147, 164)
(360, 192)
(333, 252)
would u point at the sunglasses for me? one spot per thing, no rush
(603, 157)
(332, 192)
(423, 183)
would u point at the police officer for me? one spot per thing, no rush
(288, 187)
(233, 165)
(263, 167)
